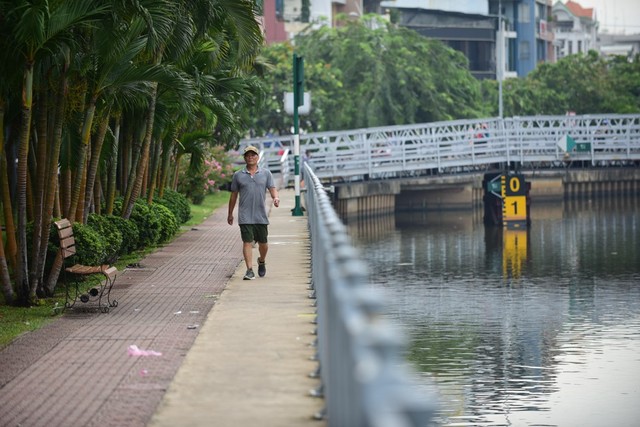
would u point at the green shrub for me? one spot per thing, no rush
(130, 233)
(177, 203)
(146, 221)
(91, 247)
(168, 223)
(111, 234)
(148, 224)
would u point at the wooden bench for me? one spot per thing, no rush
(92, 296)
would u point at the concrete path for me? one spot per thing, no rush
(233, 352)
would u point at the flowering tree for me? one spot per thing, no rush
(213, 173)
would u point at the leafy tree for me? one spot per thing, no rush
(368, 73)
(578, 81)
(625, 79)
(586, 84)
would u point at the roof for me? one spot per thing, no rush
(580, 11)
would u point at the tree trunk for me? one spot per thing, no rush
(153, 171)
(134, 191)
(11, 249)
(80, 177)
(5, 279)
(53, 194)
(113, 169)
(134, 154)
(22, 269)
(36, 274)
(94, 163)
(166, 163)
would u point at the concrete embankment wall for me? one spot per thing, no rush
(462, 192)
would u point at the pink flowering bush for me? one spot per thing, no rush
(214, 173)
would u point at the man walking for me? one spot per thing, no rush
(251, 183)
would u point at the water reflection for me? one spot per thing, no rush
(519, 327)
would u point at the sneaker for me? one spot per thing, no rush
(262, 268)
(249, 275)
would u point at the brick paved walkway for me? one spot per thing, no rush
(76, 370)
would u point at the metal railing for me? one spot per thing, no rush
(365, 382)
(466, 146)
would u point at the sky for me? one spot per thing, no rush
(616, 16)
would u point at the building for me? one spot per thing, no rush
(283, 18)
(464, 25)
(619, 44)
(530, 37)
(576, 28)
(473, 27)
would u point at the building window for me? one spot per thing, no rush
(569, 47)
(579, 45)
(524, 50)
(524, 13)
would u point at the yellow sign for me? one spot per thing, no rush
(514, 208)
(514, 200)
(513, 185)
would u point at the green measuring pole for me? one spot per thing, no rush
(298, 100)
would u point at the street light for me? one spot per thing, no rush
(501, 59)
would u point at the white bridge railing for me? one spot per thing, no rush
(535, 142)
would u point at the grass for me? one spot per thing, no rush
(211, 202)
(15, 321)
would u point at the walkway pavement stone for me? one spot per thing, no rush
(233, 352)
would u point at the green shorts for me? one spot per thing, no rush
(254, 233)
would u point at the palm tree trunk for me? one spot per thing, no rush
(11, 248)
(134, 190)
(166, 162)
(5, 279)
(113, 169)
(66, 179)
(22, 269)
(36, 274)
(153, 171)
(133, 154)
(96, 149)
(80, 177)
(53, 188)
(83, 185)
(176, 170)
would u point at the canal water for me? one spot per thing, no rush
(525, 327)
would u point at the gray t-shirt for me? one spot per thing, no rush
(252, 189)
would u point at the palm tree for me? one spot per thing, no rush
(233, 28)
(39, 28)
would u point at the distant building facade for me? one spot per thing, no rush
(534, 37)
(472, 34)
(576, 28)
(472, 27)
(619, 44)
(282, 19)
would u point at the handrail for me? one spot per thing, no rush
(466, 146)
(360, 354)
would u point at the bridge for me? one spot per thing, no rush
(454, 147)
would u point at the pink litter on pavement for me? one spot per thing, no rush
(133, 350)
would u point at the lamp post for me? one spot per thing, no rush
(298, 100)
(501, 59)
